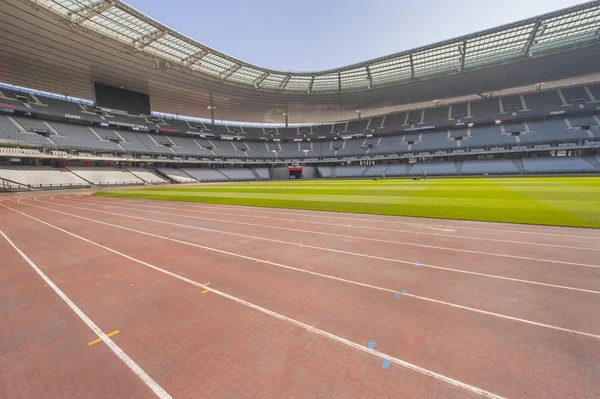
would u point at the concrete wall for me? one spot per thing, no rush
(308, 172)
(279, 173)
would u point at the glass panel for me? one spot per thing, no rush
(355, 79)
(437, 60)
(325, 83)
(298, 83)
(392, 70)
(246, 75)
(273, 81)
(555, 33)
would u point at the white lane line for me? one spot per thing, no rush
(326, 215)
(332, 234)
(333, 277)
(289, 320)
(307, 246)
(454, 236)
(153, 385)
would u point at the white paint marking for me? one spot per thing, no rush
(426, 233)
(326, 215)
(343, 235)
(305, 246)
(289, 320)
(336, 278)
(157, 389)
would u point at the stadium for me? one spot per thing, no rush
(176, 222)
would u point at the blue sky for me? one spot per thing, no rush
(312, 35)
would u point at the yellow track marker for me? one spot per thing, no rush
(205, 291)
(300, 245)
(100, 339)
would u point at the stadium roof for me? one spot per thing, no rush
(523, 52)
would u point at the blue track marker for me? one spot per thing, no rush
(371, 345)
(397, 295)
(386, 364)
(405, 291)
(416, 264)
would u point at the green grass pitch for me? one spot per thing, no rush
(560, 201)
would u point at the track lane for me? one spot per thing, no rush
(40, 336)
(527, 268)
(204, 343)
(447, 329)
(553, 251)
(542, 304)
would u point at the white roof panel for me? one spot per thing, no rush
(560, 30)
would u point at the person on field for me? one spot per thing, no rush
(383, 176)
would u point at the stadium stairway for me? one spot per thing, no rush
(11, 186)
(227, 178)
(164, 176)
(519, 164)
(409, 168)
(458, 165)
(51, 129)
(255, 173)
(592, 161)
(17, 124)
(5, 184)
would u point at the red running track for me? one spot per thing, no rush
(292, 305)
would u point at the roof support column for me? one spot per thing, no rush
(412, 66)
(369, 76)
(194, 58)
(148, 40)
(79, 17)
(462, 50)
(285, 82)
(230, 71)
(211, 107)
(531, 39)
(340, 86)
(260, 80)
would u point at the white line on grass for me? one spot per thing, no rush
(429, 246)
(289, 320)
(153, 385)
(335, 278)
(310, 246)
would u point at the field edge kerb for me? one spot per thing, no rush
(486, 202)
